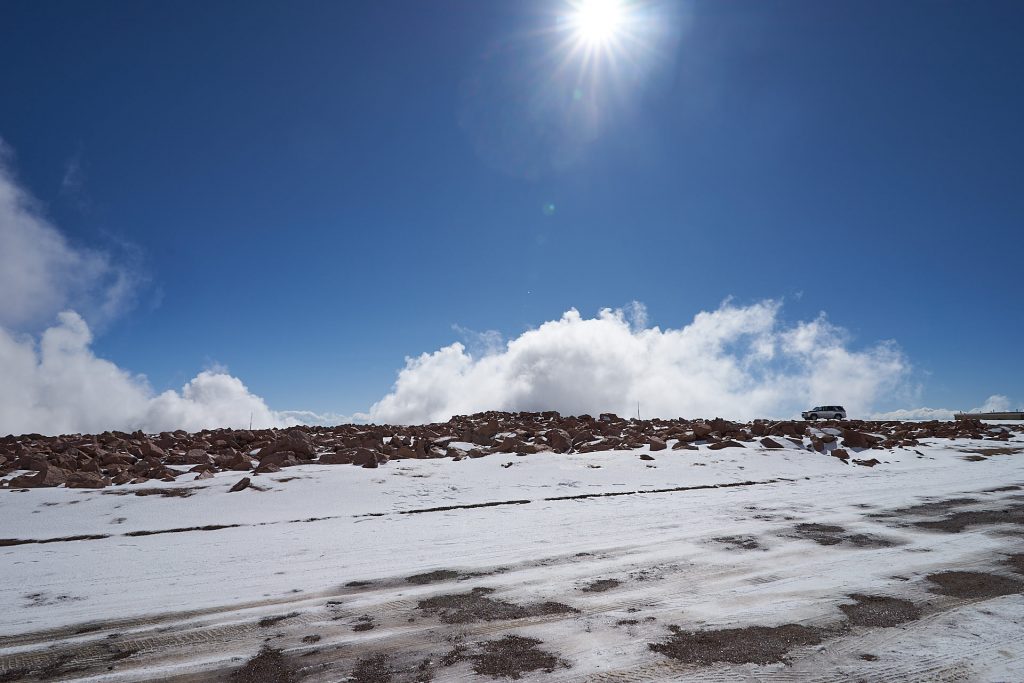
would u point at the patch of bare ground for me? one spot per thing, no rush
(958, 521)
(749, 645)
(992, 450)
(62, 539)
(513, 656)
(738, 542)
(433, 577)
(268, 666)
(974, 584)
(266, 622)
(364, 623)
(181, 530)
(464, 608)
(822, 534)
(1016, 563)
(601, 585)
(183, 492)
(61, 667)
(879, 611)
(934, 507)
(831, 534)
(375, 669)
(13, 675)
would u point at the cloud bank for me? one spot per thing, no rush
(50, 380)
(737, 361)
(41, 273)
(997, 403)
(58, 386)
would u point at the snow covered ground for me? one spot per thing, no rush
(696, 540)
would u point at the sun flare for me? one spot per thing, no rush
(597, 23)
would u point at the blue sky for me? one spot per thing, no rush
(310, 192)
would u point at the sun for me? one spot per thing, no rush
(597, 23)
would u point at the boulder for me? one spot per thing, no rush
(86, 480)
(196, 456)
(644, 456)
(701, 431)
(657, 444)
(725, 444)
(109, 459)
(296, 441)
(47, 476)
(364, 457)
(278, 459)
(769, 442)
(151, 450)
(854, 439)
(243, 483)
(558, 439)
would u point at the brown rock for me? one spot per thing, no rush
(657, 444)
(86, 480)
(701, 430)
(196, 456)
(558, 439)
(725, 444)
(840, 453)
(243, 483)
(336, 458)
(854, 439)
(278, 459)
(46, 477)
(151, 450)
(769, 442)
(116, 459)
(296, 441)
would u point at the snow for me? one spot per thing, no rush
(315, 528)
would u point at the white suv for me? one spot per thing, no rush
(825, 412)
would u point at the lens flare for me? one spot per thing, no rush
(597, 22)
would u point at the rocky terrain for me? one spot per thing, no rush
(117, 458)
(524, 546)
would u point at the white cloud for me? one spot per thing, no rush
(41, 273)
(996, 403)
(52, 382)
(915, 414)
(736, 361)
(57, 385)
